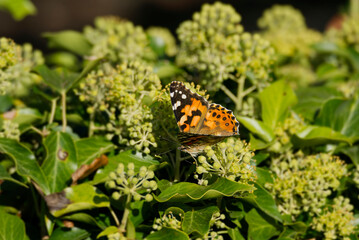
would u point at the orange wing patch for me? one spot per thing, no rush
(192, 115)
(220, 121)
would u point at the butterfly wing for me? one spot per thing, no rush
(189, 108)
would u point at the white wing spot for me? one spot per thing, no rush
(172, 94)
(178, 103)
(180, 92)
(184, 96)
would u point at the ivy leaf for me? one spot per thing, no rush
(83, 218)
(19, 9)
(108, 231)
(311, 100)
(188, 192)
(352, 152)
(318, 135)
(73, 233)
(12, 227)
(198, 220)
(90, 148)
(258, 227)
(60, 161)
(4, 175)
(69, 40)
(265, 202)
(275, 101)
(235, 234)
(342, 116)
(258, 128)
(168, 233)
(81, 197)
(25, 162)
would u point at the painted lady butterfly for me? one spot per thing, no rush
(201, 124)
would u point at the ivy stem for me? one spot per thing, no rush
(177, 165)
(91, 124)
(240, 94)
(63, 105)
(53, 109)
(122, 227)
(114, 217)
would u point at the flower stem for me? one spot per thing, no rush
(53, 109)
(63, 105)
(240, 94)
(122, 227)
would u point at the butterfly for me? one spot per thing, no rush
(201, 124)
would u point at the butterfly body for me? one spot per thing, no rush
(201, 124)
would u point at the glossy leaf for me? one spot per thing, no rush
(25, 162)
(264, 176)
(235, 234)
(188, 192)
(258, 128)
(69, 40)
(90, 148)
(168, 233)
(26, 116)
(12, 227)
(73, 233)
(258, 227)
(124, 157)
(311, 99)
(108, 231)
(198, 220)
(18, 9)
(83, 218)
(317, 135)
(352, 152)
(4, 175)
(60, 161)
(342, 116)
(257, 143)
(275, 101)
(265, 202)
(83, 197)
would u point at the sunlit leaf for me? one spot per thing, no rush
(12, 227)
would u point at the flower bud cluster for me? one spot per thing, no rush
(10, 130)
(117, 39)
(123, 95)
(128, 182)
(216, 227)
(284, 131)
(303, 183)
(231, 159)
(214, 45)
(347, 35)
(163, 37)
(285, 28)
(336, 221)
(167, 220)
(16, 62)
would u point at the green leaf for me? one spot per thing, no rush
(5, 102)
(198, 220)
(25, 162)
(140, 210)
(168, 233)
(60, 161)
(73, 233)
(311, 100)
(235, 234)
(18, 8)
(124, 157)
(83, 218)
(265, 202)
(342, 116)
(60, 81)
(257, 143)
(83, 197)
(258, 227)
(317, 135)
(188, 192)
(258, 128)
(27, 116)
(352, 152)
(166, 70)
(69, 40)
(12, 227)
(276, 100)
(4, 175)
(90, 148)
(264, 176)
(108, 231)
